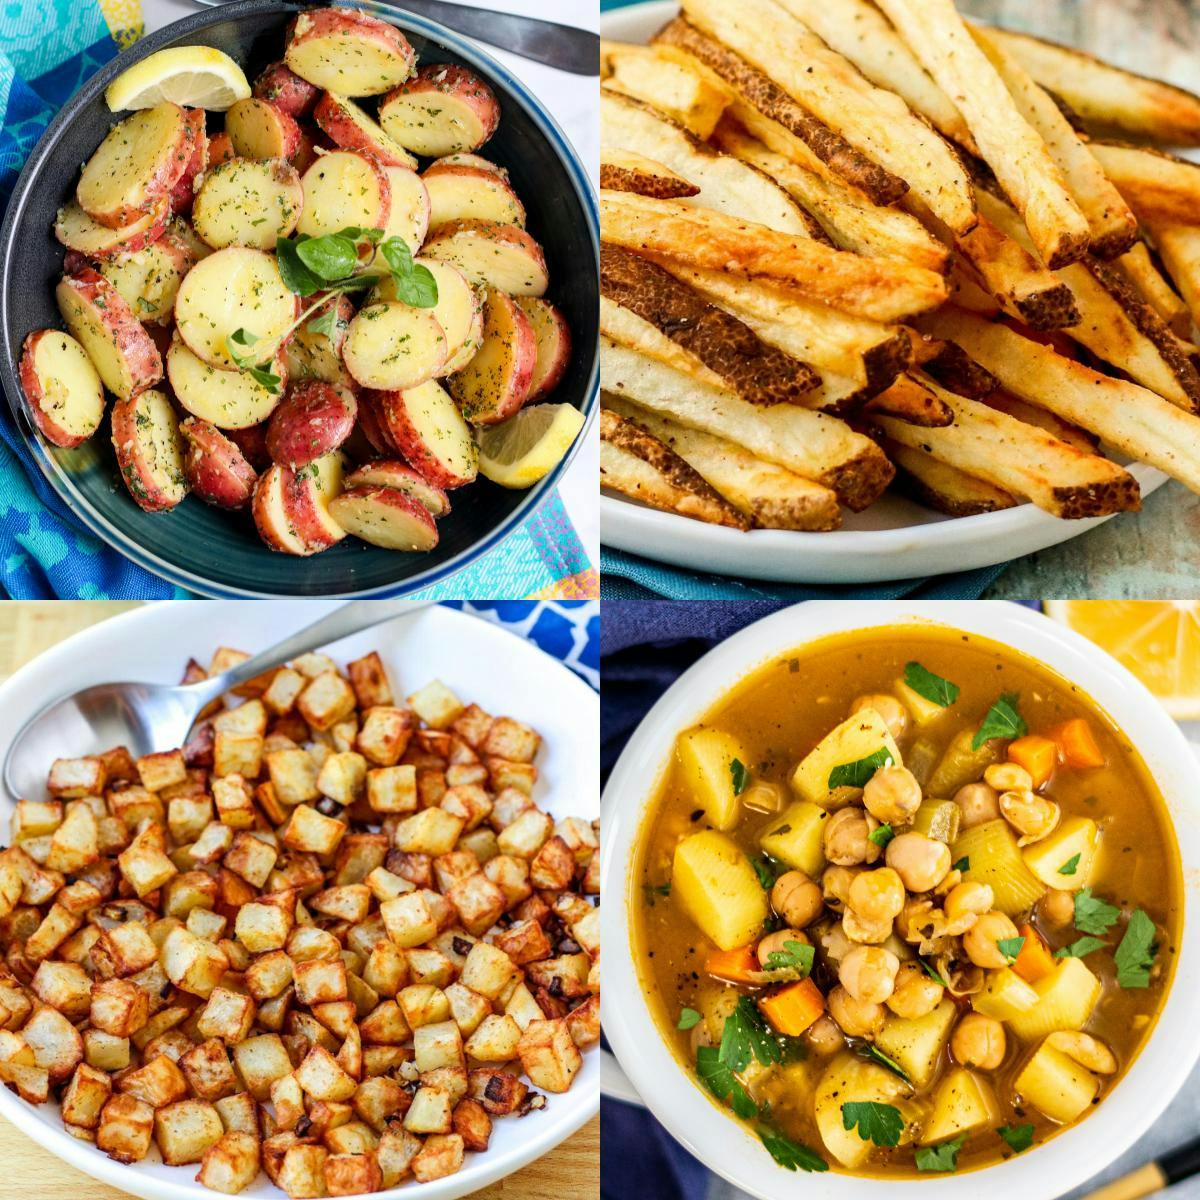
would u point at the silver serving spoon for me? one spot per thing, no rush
(148, 717)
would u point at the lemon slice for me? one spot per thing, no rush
(1158, 640)
(193, 76)
(528, 446)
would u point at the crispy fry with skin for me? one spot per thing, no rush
(943, 487)
(1150, 282)
(1179, 248)
(624, 171)
(881, 290)
(669, 86)
(1016, 153)
(910, 401)
(1086, 442)
(1158, 186)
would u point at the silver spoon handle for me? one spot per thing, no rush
(342, 622)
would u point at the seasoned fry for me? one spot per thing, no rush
(1126, 416)
(755, 370)
(818, 447)
(624, 171)
(1054, 425)
(881, 290)
(1022, 459)
(957, 372)
(638, 465)
(1107, 97)
(1159, 186)
(772, 497)
(1179, 248)
(1112, 224)
(878, 122)
(938, 37)
(1142, 272)
(943, 487)
(910, 401)
(655, 79)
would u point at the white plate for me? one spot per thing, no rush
(481, 662)
(894, 539)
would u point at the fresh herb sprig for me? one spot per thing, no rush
(932, 687)
(1002, 721)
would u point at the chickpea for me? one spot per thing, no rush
(980, 941)
(876, 895)
(868, 973)
(824, 1037)
(777, 943)
(847, 837)
(921, 862)
(1031, 815)
(979, 804)
(966, 898)
(894, 714)
(835, 884)
(914, 994)
(857, 1018)
(860, 929)
(1008, 777)
(797, 899)
(892, 794)
(1057, 908)
(978, 1041)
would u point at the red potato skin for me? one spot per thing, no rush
(340, 129)
(183, 193)
(513, 235)
(216, 470)
(469, 162)
(522, 347)
(147, 495)
(220, 149)
(553, 352)
(286, 130)
(423, 529)
(280, 85)
(479, 173)
(252, 442)
(322, 22)
(306, 152)
(313, 419)
(129, 335)
(74, 262)
(138, 241)
(373, 425)
(31, 385)
(269, 481)
(318, 531)
(411, 445)
(462, 84)
(402, 477)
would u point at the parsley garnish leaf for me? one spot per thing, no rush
(1093, 915)
(858, 773)
(1080, 947)
(1135, 955)
(940, 1158)
(932, 687)
(1002, 721)
(963, 864)
(1018, 1137)
(872, 1052)
(795, 956)
(738, 776)
(791, 1155)
(933, 973)
(766, 871)
(879, 1123)
(1010, 947)
(1070, 866)
(689, 1018)
(882, 835)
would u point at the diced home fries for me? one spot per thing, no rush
(334, 937)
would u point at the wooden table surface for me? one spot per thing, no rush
(27, 1172)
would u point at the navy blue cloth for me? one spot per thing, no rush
(641, 1161)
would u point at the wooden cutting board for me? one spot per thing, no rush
(27, 627)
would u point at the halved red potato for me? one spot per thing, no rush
(234, 288)
(443, 109)
(183, 192)
(248, 202)
(347, 126)
(476, 162)
(393, 474)
(459, 311)
(149, 279)
(373, 425)
(122, 352)
(252, 442)
(496, 382)
(314, 418)
(472, 194)
(409, 215)
(79, 232)
(345, 51)
(258, 129)
(343, 189)
(281, 86)
(307, 495)
(385, 517)
(216, 469)
(391, 346)
(220, 149)
(553, 336)
(228, 399)
(145, 435)
(319, 355)
(502, 256)
(182, 229)
(139, 162)
(430, 432)
(271, 518)
(62, 389)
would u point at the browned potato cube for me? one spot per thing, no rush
(237, 753)
(427, 965)
(430, 1112)
(397, 1149)
(438, 1045)
(234, 801)
(497, 1090)
(343, 777)
(238, 1113)
(293, 776)
(423, 1004)
(86, 1095)
(511, 876)
(124, 950)
(71, 778)
(75, 844)
(133, 805)
(526, 835)
(436, 705)
(251, 857)
(583, 1022)
(438, 1157)
(302, 1173)
(55, 928)
(408, 919)
(431, 786)
(208, 1070)
(191, 889)
(352, 1174)
(586, 931)
(478, 900)
(468, 801)
(522, 1007)
(488, 970)
(386, 1024)
(495, 1041)
(188, 817)
(264, 924)
(349, 903)
(185, 1130)
(212, 843)
(158, 771)
(260, 1061)
(126, 1127)
(250, 717)
(192, 964)
(327, 700)
(392, 789)
(472, 1123)
(65, 986)
(56, 1043)
(524, 942)
(358, 855)
(385, 735)
(467, 1008)
(287, 1101)
(378, 1100)
(268, 975)
(309, 831)
(511, 740)
(144, 865)
(318, 982)
(472, 725)
(322, 1077)
(430, 831)
(230, 1164)
(105, 1051)
(553, 866)
(369, 679)
(284, 690)
(158, 1083)
(354, 1137)
(386, 969)
(227, 1015)
(118, 1007)
(549, 1055)
(504, 773)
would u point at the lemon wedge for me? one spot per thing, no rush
(1157, 640)
(193, 76)
(529, 445)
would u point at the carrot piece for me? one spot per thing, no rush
(1035, 961)
(1078, 744)
(1037, 754)
(792, 1009)
(736, 965)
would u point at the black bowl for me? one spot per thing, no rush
(220, 554)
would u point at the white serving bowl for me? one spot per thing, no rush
(672, 1093)
(481, 662)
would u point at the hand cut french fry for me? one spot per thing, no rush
(910, 401)
(726, 184)
(1016, 153)
(772, 497)
(755, 370)
(1158, 186)
(943, 487)
(1150, 282)
(958, 372)
(1125, 416)
(1179, 248)
(875, 288)
(624, 171)
(1054, 425)
(1107, 97)
(1022, 459)
(639, 466)
(818, 447)
(876, 121)
(683, 95)
(1113, 226)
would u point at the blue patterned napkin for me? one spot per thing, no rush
(48, 48)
